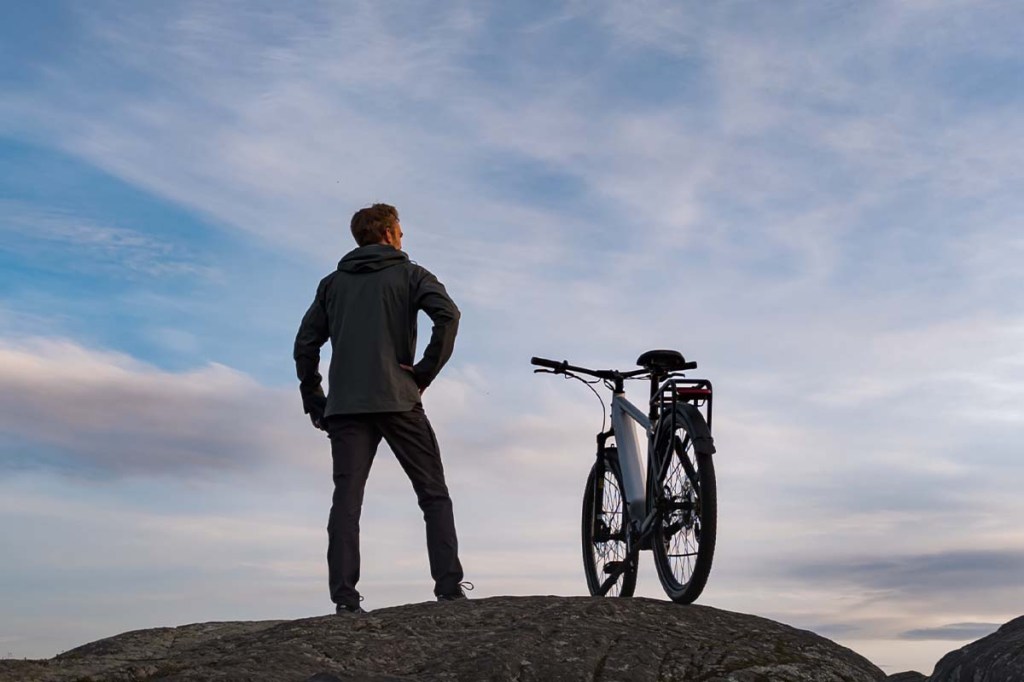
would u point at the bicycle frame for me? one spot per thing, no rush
(632, 464)
(626, 416)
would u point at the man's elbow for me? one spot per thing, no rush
(451, 319)
(305, 353)
(448, 315)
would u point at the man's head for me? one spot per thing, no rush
(377, 224)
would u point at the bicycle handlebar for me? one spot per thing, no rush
(564, 366)
(550, 364)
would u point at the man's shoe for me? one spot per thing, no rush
(345, 608)
(454, 596)
(457, 594)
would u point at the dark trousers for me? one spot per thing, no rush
(354, 441)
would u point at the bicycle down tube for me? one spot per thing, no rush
(634, 478)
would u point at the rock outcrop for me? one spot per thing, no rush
(995, 658)
(501, 638)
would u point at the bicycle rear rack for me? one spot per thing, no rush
(680, 389)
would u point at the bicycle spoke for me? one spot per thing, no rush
(680, 526)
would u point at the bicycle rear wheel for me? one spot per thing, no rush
(605, 520)
(682, 488)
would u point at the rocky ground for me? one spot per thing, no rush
(501, 638)
(995, 658)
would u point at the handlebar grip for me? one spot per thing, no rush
(550, 364)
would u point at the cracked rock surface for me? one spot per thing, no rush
(500, 638)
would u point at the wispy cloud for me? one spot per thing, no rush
(37, 234)
(994, 570)
(299, 126)
(954, 631)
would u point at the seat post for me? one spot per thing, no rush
(656, 378)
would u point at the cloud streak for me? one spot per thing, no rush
(106, 414)
(922, 574)
(958, 632)
(38, 235)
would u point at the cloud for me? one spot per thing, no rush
(932, 573)
(307, 95)
(39, 234)
(953, 631)
(106, 414)
(306, 117)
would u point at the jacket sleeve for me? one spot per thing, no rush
(313, 332)
(430, 296)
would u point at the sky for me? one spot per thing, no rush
(817, 201)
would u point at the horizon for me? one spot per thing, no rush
(817, 203)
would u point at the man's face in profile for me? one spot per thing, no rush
(394, 235)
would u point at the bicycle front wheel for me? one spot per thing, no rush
(682, 489)
(605, 520)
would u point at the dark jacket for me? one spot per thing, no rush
(368, 308)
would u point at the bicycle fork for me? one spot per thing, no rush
(633, 483)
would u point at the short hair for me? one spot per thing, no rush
(370, 224)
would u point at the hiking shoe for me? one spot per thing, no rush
(457, 594)
(345, 608)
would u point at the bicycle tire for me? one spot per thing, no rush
(684, 536)
(604, 524)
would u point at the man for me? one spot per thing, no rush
(368, 308)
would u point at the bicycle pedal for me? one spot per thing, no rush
(612, 567)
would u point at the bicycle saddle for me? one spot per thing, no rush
(661, 360)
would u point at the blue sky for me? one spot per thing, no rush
(819, 202)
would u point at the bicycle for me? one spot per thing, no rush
(672, 510)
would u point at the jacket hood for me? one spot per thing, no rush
(372, 258)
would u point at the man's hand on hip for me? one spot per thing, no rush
(410, 370)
